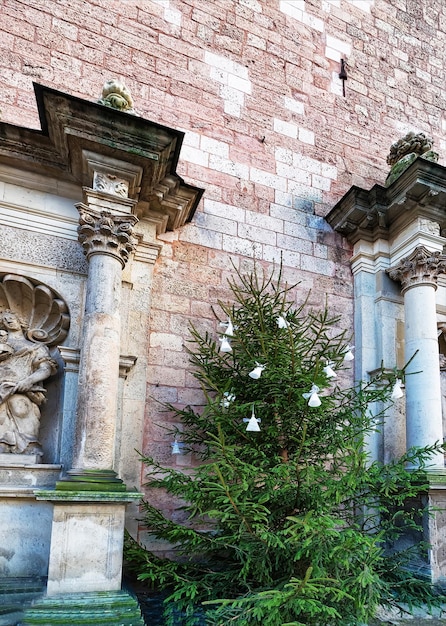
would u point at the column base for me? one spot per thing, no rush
(91, 480)
(107, 608)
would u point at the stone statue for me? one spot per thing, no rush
(24, 365)
(404, 151)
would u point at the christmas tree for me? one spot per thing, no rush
(287, 519)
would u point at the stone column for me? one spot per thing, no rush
(107, 241)
(418, 276)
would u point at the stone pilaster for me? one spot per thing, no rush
(418, 275)
(107, 241)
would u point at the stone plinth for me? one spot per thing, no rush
(86, 540)
(116, 608)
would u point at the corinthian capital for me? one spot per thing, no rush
(102, 232)
(422, 267)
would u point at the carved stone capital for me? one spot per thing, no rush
(422, 267)
(101, 232)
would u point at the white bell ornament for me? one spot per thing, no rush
(348, 354)
(282, 322)
(257, 371)
(253, 423)
(312, 397)
(176, 447)
(225, 345)
(397, 392)
(329, 371)
(229, 332)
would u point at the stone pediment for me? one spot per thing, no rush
(419, 192)
(80, 139)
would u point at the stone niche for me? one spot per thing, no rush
(86, 152)
(34, 320)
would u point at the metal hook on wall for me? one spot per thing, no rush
(343, 75)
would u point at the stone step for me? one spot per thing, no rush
(102, 608)
(10, 618)
(16, 594)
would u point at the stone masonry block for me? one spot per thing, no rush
(219, 224)
(221, 209)
(292, 173)
(264, 221)
(166, 340)
(229, 167)
(268, 179)
(294, 105)
(286, 128)
(295, 244)
(219, 148)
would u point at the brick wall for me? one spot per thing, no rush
(269, 135)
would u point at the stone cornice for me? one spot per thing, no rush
(78, 136)
(420, 191)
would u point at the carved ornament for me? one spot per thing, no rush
(42, 312)
(422, 267)
(101, 232)
(116, 95)
(404, 151)
(107, 183)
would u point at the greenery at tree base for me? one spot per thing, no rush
(294, 524)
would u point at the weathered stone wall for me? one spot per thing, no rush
(269, 135)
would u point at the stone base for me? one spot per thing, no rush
(112, 608)
(87, 540)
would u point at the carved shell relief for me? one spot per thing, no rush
(43, 312)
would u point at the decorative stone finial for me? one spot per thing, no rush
(404, 151)
(116, 95)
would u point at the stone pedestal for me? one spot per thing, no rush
(86, 540)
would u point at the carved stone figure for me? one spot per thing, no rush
(404, 151)
(116, 95)
(32, 317)
(24, 365)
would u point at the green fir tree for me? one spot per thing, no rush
(287, 519)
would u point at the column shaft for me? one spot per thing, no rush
(99, 365)
(423, 404)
